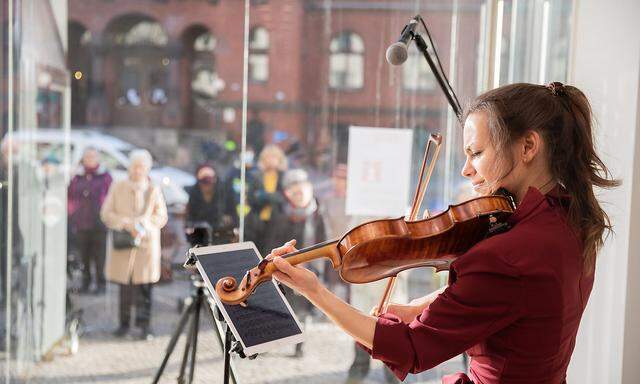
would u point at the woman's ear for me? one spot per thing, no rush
(531, 146)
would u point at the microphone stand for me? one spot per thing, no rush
(424, 48)
(437, 70)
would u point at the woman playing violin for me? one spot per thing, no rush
(514, 300)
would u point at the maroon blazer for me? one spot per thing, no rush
(514, 303)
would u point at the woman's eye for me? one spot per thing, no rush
(476, 154)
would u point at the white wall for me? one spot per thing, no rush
(606, 66)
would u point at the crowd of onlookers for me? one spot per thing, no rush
(280, 204)
(115, 226)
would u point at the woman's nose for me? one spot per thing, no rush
(467, 169)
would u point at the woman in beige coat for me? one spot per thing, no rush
(137, 206)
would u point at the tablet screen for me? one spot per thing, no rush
(267, 320)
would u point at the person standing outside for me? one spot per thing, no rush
(87, 192)
(267, 197)
(299, 217)
(206, 203)
(137, 206)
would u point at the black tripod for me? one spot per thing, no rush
(192, 310)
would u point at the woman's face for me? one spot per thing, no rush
(138, 171)
(206, 172)
(299, 194)
(485, 168)
(271, 161)
(90, 159)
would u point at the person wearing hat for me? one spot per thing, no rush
(299, 218)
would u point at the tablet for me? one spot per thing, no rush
(267, 322)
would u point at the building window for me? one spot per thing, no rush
(143, 33)
(346, 61)
(259, 54)
(205, 83)
(205, 42)
(417, 75)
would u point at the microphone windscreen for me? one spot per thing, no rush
(397, 53)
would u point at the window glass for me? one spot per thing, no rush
(346, 61)
(417, 76)
(259, 54)
(321, 135)
(204, 43)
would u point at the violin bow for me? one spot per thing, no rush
(436, 139)
(423, 181)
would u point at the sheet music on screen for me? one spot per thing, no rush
(267, 317)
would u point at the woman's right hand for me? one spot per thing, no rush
(130, 227)
(406, 312)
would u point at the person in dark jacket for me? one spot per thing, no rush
(299, 217)
(206, 199)
(87, 192)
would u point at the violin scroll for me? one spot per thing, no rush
(232, 292)
(228, 284)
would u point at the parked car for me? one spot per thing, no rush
(114, 154)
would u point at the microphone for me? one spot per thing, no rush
(397, 52)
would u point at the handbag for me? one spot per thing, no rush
(124, 239)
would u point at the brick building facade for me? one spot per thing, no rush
(127, 81)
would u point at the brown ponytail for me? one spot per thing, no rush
(562, 115)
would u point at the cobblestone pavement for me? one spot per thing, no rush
(103, 358)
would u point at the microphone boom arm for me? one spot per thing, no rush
(437, 70)
(448, 92)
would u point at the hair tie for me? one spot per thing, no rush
(556, 88)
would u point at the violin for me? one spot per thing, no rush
(383, 248)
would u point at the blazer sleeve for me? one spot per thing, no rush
(157, 217)
(484, 297)
(108, 213)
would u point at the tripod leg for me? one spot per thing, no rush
(187, 348)
(196, 329)
(219, 328)
(227, 355)
(174, 339)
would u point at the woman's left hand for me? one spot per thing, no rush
(297, 278)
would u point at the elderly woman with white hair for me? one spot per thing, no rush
(135, 211)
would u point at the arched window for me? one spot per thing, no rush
(416, 74)
(259, 54)
(205, 83)
(346, 61)
(205, 42)
(143, 33)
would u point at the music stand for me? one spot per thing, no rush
(191, 314)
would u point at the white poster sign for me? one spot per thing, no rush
(379, 167)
